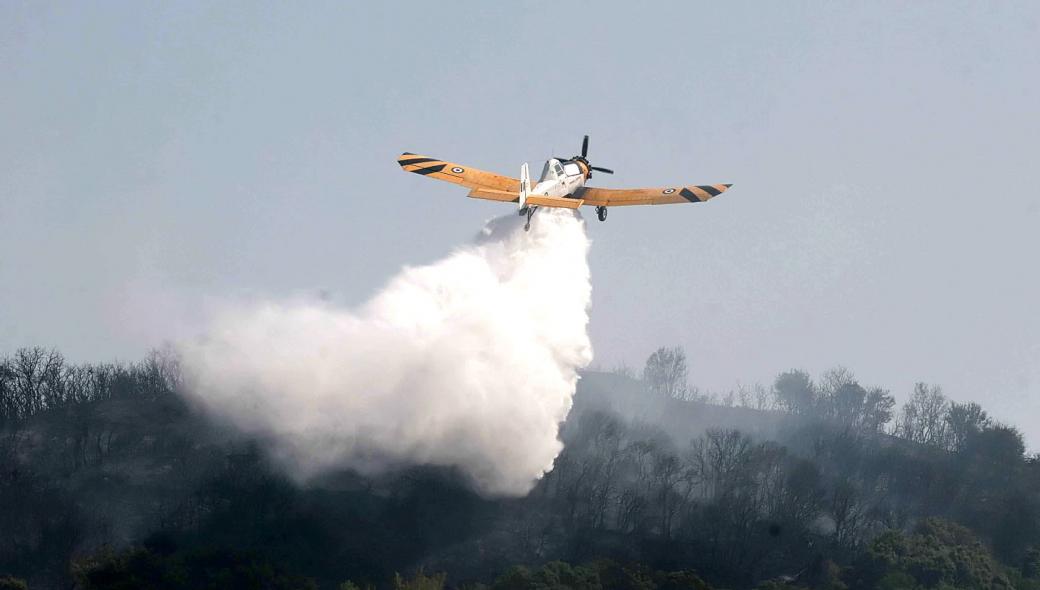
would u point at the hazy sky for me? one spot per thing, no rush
(884, 216)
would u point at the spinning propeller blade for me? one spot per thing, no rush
(584, 158)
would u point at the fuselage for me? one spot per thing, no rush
(561, 178)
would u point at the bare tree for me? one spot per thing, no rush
(665, 372)
(923, 419)
(835, 379)
(667, 475)
(718, 459)
(37, 380)
(744, 395)
(8, 399)
(764, 398)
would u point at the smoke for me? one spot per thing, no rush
(470, 362)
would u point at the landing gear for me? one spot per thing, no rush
(601, 212)
(529, 212)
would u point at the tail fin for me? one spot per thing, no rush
(525, 184)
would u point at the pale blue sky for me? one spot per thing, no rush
(884, 214)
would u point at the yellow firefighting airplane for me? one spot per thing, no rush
(562, 184)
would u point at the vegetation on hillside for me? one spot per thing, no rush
(109, 479)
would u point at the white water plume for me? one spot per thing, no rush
(470, 362)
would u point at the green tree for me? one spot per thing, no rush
(1031, 564)
(965, 421)
(420, 581)
(877, 409)
(141, 568)
(795, 392)
(939, 553)
(555, 575)
(12, 583)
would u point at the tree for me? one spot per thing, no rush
(795, 392)
(665, 373)
(420, 581)
(964, 421)
(877, 409)
(1031, 564)
(847, 405)
(555, 575)
(12, 583)
(999, 446)
(142, 568)
(833, 380)
(32, 367)
(939, 553)
(720, 459)
(923, 419)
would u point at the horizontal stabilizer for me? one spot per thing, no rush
(493, 195)
(543, 201)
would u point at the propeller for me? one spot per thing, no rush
(584, 158)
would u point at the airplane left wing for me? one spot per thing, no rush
(609, 197)
(484, 185)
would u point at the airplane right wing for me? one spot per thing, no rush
(483, 185)
(610, 197)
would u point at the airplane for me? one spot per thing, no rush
(562, 184)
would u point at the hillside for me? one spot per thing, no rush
(122, 477)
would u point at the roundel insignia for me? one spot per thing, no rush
(457, 170)
(668, 191)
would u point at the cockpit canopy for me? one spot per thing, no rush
(552, 170)
(555, 169)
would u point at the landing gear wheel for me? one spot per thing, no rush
(601, 212)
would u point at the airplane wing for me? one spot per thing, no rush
(609, 197)
(483, 185)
